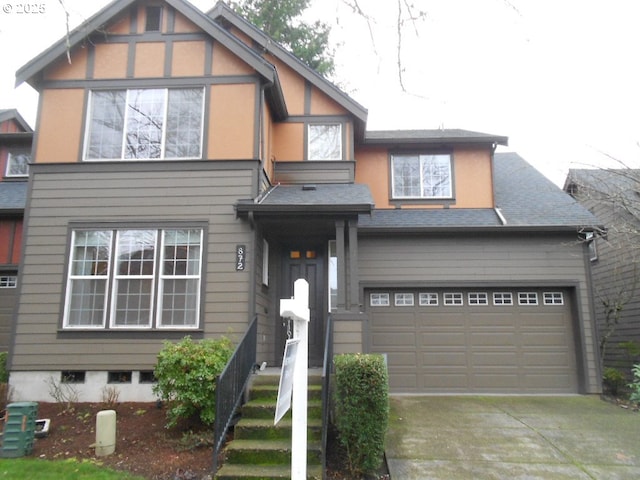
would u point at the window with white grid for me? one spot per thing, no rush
(478, 298)
(403, 299)
(152, 276)
(379, 299)
(502, 298)
(553, 298)
(527, 298)
(453, 298)
(428, 299)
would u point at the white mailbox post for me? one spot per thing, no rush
(297, 309)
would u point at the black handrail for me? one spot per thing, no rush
(230, 386)
(326, 377)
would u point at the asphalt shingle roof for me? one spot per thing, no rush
(13, 195)
(526, 197)
(320, 194)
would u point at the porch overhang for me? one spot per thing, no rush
(322, 199)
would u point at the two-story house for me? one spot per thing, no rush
(187, 170)
(15, 155)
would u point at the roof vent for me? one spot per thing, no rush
(308, 187)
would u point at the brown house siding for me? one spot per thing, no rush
(470, 260)
(149, 194)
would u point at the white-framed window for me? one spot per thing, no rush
(379, 299)
(403, 299)
(324, 141)
(527, 298)
(478, 298)
(18, 163)
(502, 298)
(453, 298)
(421, 176)
(145, 124)
(428, 299)
(8, 281)
(152, 277)
(553, 298)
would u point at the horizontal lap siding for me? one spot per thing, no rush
(447, 260)
(150, 197)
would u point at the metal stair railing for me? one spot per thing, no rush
(231, 384)
(326, 377)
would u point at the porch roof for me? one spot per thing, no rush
(311, 198)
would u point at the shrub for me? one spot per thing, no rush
(635, 386)
(613, 379)
(4, 373)
(186, 372)
(362, 409)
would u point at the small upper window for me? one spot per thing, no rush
(379, 300)
(325, 142)
(18, 163)
(421, 176)
(154, 16)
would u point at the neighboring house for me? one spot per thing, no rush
(613, 195)
(16, 137)
(187, 170)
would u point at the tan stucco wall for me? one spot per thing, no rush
(110, 60)
(231, 121)
(59, 126)
(188, 59)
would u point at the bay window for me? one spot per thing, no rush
(134, 279)
(421, 176)
(145, 124)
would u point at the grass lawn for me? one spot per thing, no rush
(29, 468)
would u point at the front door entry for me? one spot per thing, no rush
(307, 264)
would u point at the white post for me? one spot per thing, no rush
(298, 310)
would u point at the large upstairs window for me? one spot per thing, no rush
(134, 279)
(145, 124)
(421, 176)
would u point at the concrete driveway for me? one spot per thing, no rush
(449, 438)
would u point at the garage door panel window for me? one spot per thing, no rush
(553, 298)
(527, 298)
(403, 299)
(451, 298)
(379, 300)
(502, 298)
(478, 298)
(428, 299)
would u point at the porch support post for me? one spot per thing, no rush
(354, 293)
(342, 267)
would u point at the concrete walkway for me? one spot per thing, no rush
(513, 438)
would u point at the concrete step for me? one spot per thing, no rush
(264, 429)
(264, 472)
(271, 452)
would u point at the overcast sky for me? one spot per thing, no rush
(560, 78)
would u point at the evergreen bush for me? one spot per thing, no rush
(186, 372)
(362, 409)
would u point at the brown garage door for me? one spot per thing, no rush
(475, 341)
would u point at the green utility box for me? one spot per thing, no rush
(19, 429)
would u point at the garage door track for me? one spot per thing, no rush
(572, 437)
